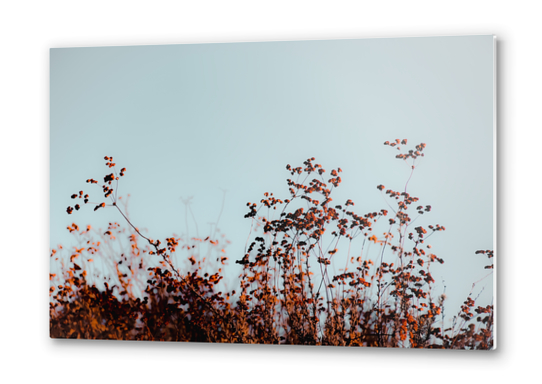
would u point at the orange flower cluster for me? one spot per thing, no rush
(289, 291)
(106, 188)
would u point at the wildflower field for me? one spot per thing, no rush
(314, 272)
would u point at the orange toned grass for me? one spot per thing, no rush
(289, 291)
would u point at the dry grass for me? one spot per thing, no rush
(289, 291)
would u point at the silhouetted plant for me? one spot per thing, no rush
(288, 291)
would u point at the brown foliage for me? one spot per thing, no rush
(289, 291)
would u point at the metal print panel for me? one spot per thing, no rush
(326, 193)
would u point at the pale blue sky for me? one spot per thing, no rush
(190, 120)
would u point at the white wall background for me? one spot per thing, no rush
(29, 28)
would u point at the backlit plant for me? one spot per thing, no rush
(307, 275)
